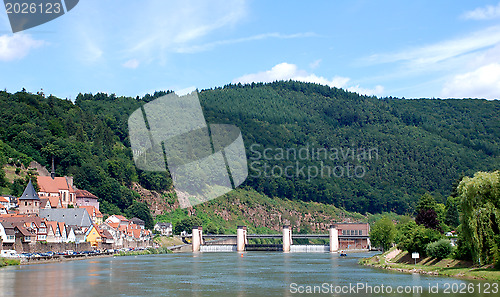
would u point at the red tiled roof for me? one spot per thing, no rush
(54, 201)
(1, 206)
(137, 233)
(52, 225)
(121, 218)
(49, 185)
(92, 211)
(114, 225)
(84, 194)
(3, 199)
(106, 234)
(61, 226)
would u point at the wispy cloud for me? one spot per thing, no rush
(441, 51)
(212, 45)
(483, 13)
(17, 46)
(132, 64)
(315, 64)
(156, 29)
(163, 27)
(286, 71)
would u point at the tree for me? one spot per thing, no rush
(141, 211)
(426, 202)
(428, 218)
(212, 229)
(17, 187)
(382, 233)
(452, 217)
(439, 249)
(416, 239)
(187, 224)
(480, 221)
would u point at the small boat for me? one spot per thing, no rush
(343, 254)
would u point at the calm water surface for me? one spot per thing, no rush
(220, 274)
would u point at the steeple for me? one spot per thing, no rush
(29, 193)
(53, 173)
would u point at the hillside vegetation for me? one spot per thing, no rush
(418, 146)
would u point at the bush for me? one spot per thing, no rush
(439, 249)
(416, 238)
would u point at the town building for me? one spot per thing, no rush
(85, 198)
(70, 216)
(60, 187)
(121, 220)
(94, 213)
(138, 222)
(163, 228)
(29, 202)
(9, 202)
(353, 235)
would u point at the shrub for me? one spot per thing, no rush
(439, 249)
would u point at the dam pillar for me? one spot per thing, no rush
(241, 238)
(197, 238)
(287, 238)
(334, 239)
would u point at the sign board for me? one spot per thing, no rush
(415, 255)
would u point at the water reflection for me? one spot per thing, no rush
(212, 274)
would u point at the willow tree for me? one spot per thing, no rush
(480, 205)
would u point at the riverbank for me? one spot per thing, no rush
(148, 251)
(401, 261)
(8, 262)
(63, 258)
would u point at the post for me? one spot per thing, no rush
(287, 238)
(197, 238)
(241, 238)
(334, 239)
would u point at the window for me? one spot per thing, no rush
(360, 232)
(25, 203)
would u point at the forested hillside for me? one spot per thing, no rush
(421, 145)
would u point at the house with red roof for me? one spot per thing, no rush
(85, 198)
(3, 209)
(121, 220)
(94, 213)
(60, 187)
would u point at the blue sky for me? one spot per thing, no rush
(411, 49)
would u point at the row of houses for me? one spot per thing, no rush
(61, 213)
(71, 225)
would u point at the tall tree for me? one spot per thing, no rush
(382, 233)
(426, 202)
(452, 217)
(480, 205)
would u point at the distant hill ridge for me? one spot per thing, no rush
(423, 145)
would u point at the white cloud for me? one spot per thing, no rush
(484, 82)
(483, 13)
(286, 71)
(132, 64)
(185, 91)
(17, 46)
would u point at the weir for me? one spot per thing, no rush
(225, 242)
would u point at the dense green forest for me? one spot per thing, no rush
(418, 146)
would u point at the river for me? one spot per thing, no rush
(225, 274)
